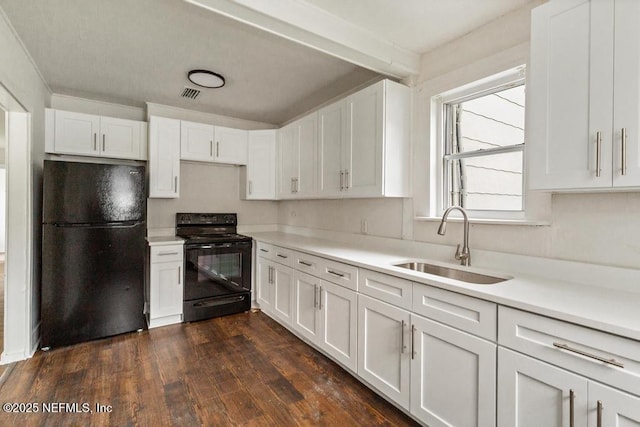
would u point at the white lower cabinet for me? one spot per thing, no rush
(453, 376)
(384, 358)
(535, 393)
(275, 289)
(326, 314)
(165, 288)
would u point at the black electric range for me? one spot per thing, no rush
(217, 265)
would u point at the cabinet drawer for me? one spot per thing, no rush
(608, 358)
(166, 253)
(475, 316)
(309, 264)
(276, 253)
(387, 288)
(339, 273)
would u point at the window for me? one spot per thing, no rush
(482, 146)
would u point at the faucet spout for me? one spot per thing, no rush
(464, 254)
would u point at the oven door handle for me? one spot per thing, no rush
(223, 245)
(214, 303)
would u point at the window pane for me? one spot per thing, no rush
(493, 120)
(491, 182)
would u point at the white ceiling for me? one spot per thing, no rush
(137, 51)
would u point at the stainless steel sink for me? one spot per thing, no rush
(452, 273)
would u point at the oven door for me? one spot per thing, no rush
(217, 270)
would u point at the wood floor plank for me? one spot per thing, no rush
(244, 369)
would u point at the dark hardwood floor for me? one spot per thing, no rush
(243, 369)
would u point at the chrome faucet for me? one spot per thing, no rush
(464, 255)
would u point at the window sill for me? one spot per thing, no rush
(495, 221)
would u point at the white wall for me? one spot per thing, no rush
(598, 228)
(22, 80)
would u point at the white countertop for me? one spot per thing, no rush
(600, 307)
(164, 240)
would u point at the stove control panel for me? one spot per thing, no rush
(206, 218)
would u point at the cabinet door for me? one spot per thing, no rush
(615, 408)
(283, 293)
(308, 146)
(196, 141)
(76, 133)
(264, 295)
(453, 376)
(627, 94)
(331, 135)
(383, 355)
(570, 94)
(261, 165)
(306, 318)
(534, 393)
(288, 160)
(165, 291)
(121, 138)
(362, 154)
(230, 145)
(164, 157)
(339, 316)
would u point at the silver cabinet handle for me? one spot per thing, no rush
(217, 149)
(413, 341)
(346, 179)
(335, 273)
(315, 296)
(211, 147)
(179, 275)
(402, 346)
(292, 185)
(320, 299)
(599, 414)
(104, 143)
(572, 396)
(167, 253)
(624, 151)
(341, 180)
(175, 184)
(598, 152)
(95, 143)
(613, 362)
(250, 186)
(282, 256)
(270, 274)
(304, 263)
(263, 250)
(297, 185)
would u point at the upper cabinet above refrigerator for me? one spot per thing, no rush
(96, 136)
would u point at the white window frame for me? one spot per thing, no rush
(509, 78)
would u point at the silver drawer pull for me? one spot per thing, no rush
(304, 263)
(335, 273)
(263, 250)
(168, 253)
(592, 356)
(283, 256)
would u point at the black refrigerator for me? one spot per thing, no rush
(93, 251)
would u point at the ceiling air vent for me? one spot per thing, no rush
(190, 93)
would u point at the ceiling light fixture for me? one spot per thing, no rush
(206, 78)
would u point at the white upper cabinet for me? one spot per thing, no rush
(260, 181)
(332, 129)
(297, 155)
(230, 145)
(196, 141)
(89, 135)
(584, 95)
(202, 142)
(164, 157)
